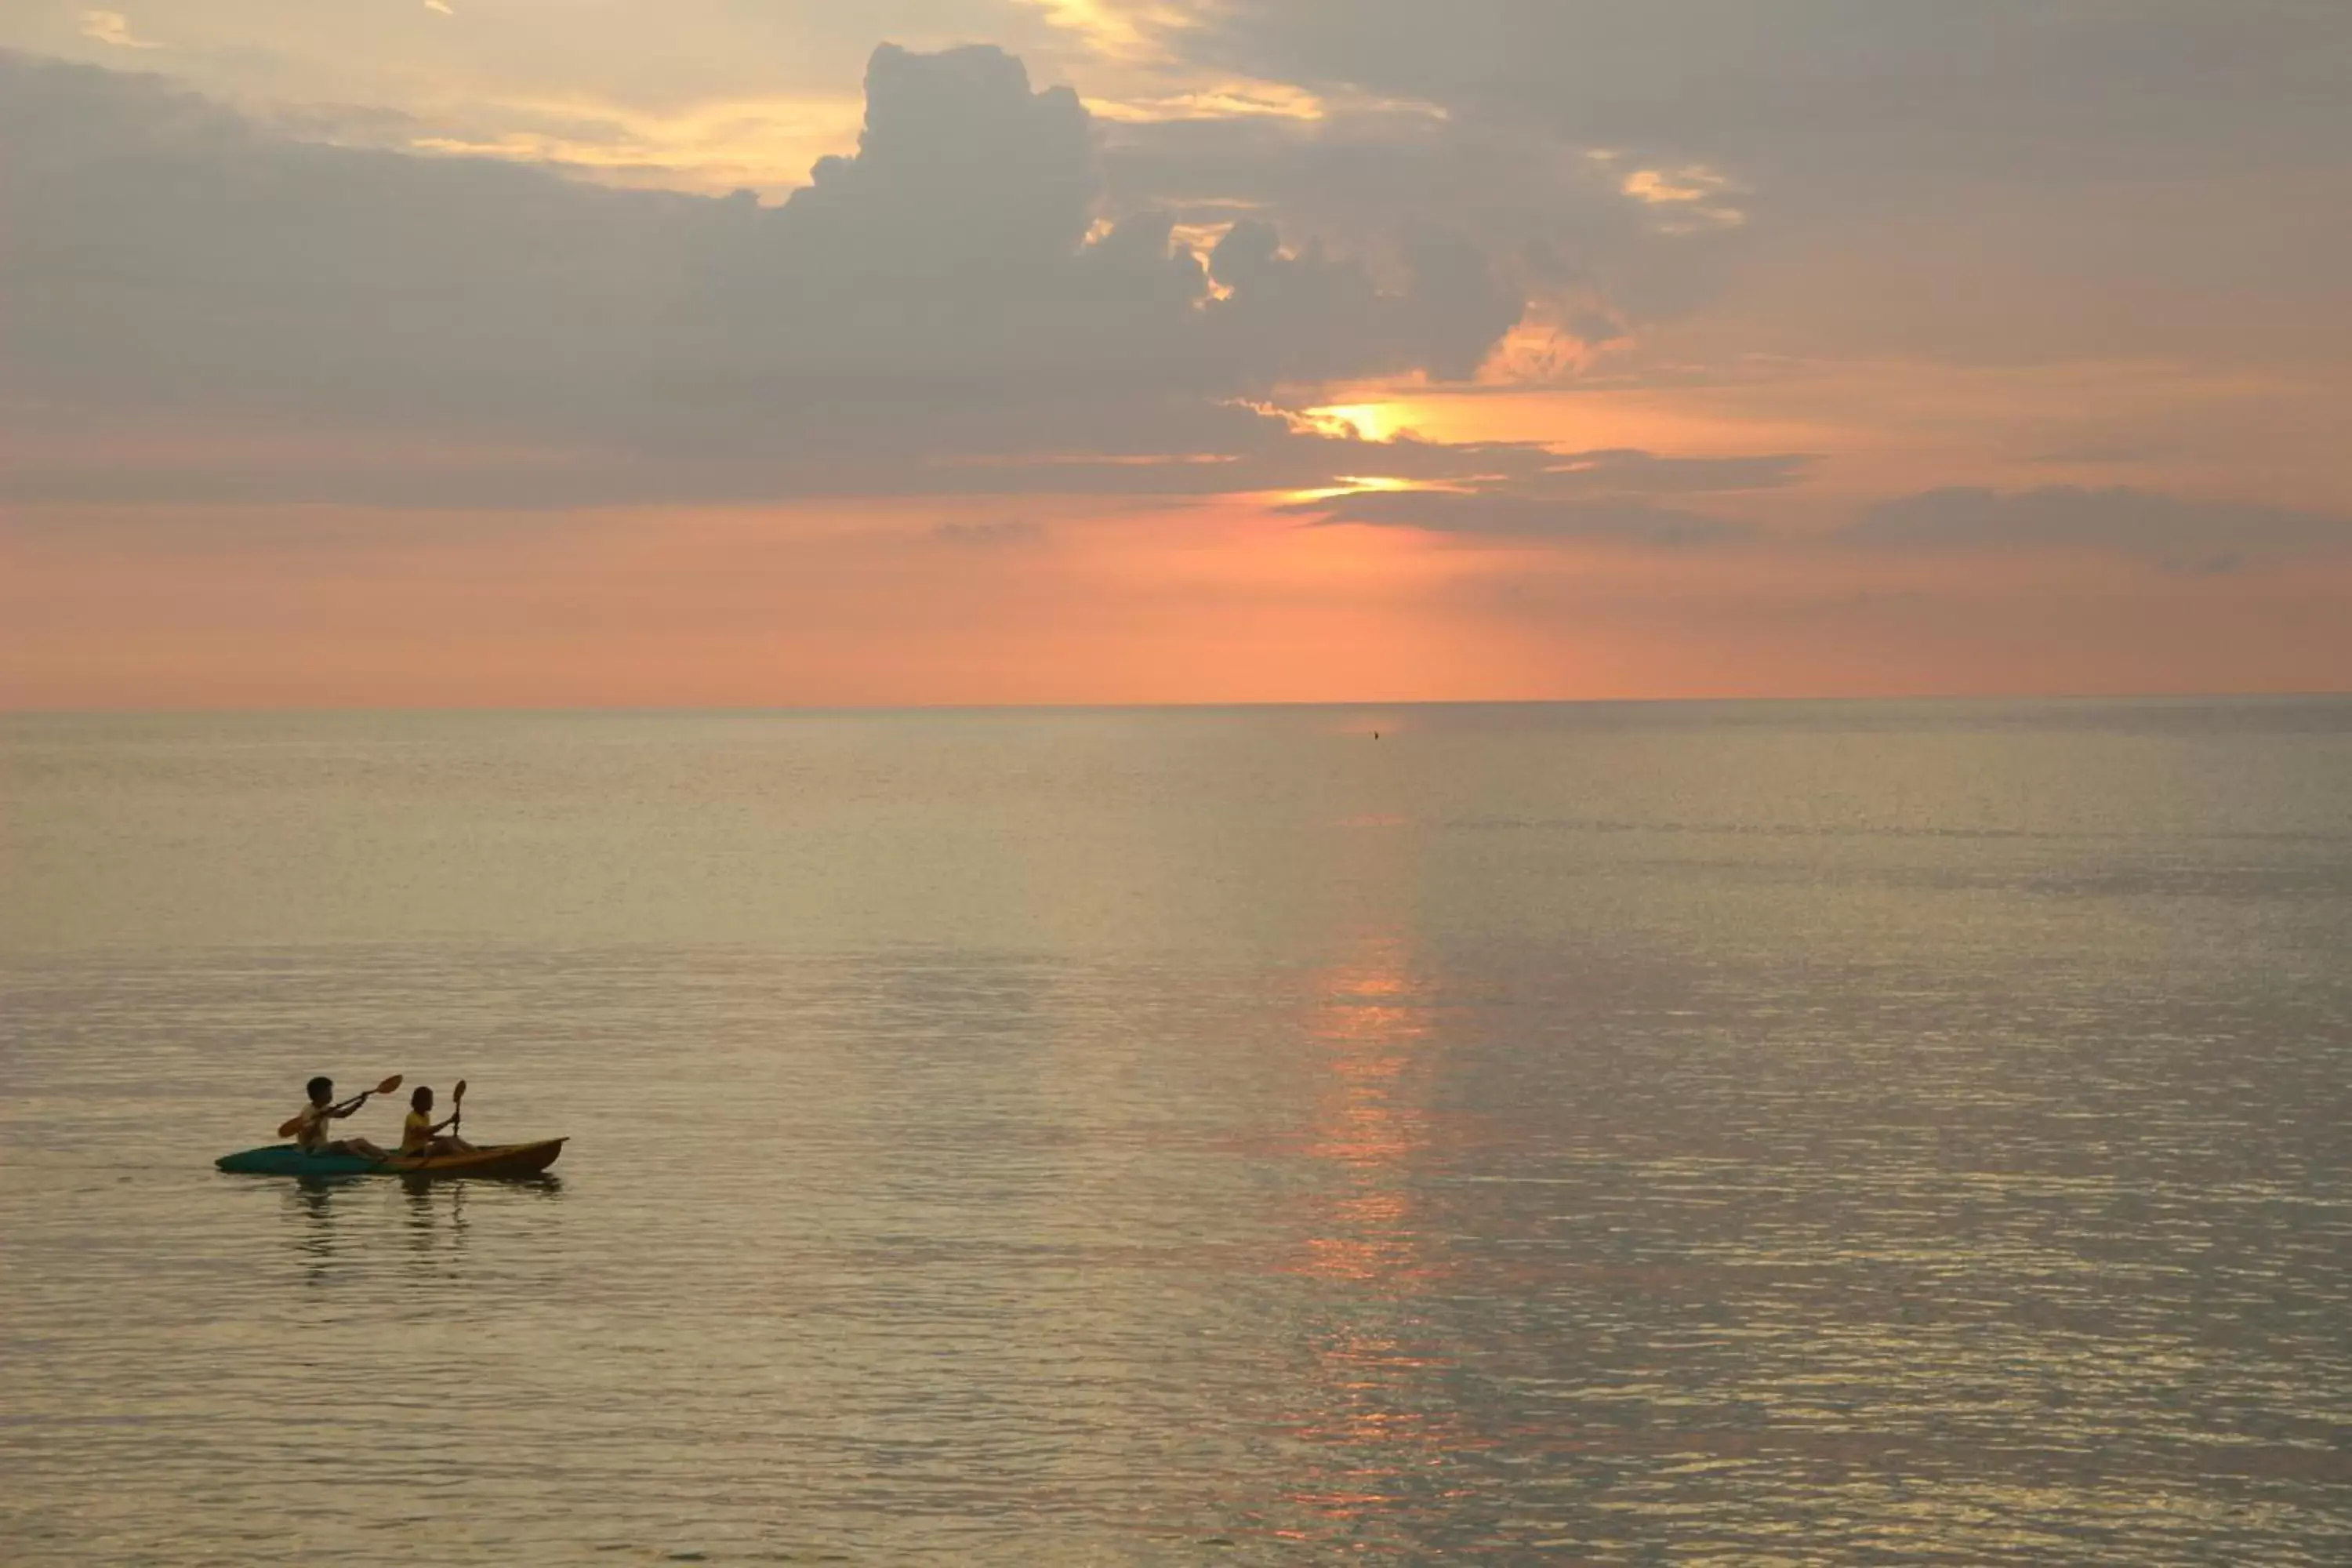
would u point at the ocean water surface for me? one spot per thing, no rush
(1628, 1134)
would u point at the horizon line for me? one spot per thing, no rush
(579, 710)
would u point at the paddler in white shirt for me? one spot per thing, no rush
(312, 1136)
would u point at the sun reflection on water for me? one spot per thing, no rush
(1372, 1027)
(1367, 1404)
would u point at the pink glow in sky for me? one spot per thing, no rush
(1272, 350)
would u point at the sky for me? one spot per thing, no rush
(777, 353)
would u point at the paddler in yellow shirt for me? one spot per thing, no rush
(421, 1135)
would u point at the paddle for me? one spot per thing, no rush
(288, 1128)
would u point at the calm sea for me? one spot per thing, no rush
(1630, 1134)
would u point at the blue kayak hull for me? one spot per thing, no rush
(494, 1160)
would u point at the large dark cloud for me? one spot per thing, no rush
(2164, 531)
(941, 301)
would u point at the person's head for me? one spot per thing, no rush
(421, 1099)
(319, 1089)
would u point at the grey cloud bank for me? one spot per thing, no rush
(1621, 497)
(2164, 531)
(1505, 516)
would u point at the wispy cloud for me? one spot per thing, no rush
(114, 27)
(1120, 29)
(1602, 496)
(714, 147)
(1691, 198)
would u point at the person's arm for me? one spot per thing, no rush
(438, 1128)
(347, 1107)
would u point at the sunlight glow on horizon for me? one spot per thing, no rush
(1361, 484)
(713, 148)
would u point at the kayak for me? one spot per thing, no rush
(491, 1160)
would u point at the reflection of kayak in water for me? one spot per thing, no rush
(490, 1160)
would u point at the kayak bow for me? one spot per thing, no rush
(492, 1160)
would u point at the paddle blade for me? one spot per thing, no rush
(287, 1129)
(457, 1095)
(387, 1086)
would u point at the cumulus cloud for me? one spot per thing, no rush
(942, 305)
(2166, 531)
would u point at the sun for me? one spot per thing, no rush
(1364, 421)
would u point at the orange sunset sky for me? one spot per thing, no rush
(497, 352)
